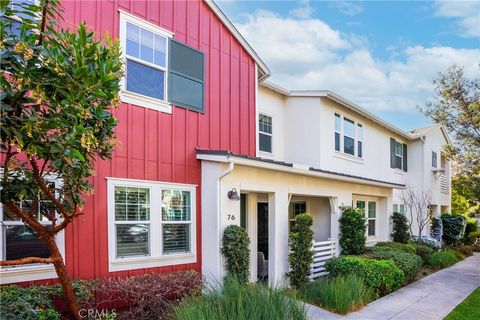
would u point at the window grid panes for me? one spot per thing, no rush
(359, 140)
(176, 221)
(398, 155)
(372, 216)
(337, 131)
(146, 61)
(350, 140)
(265, 133)
(132, 221)
(434, 159)
(296, 208)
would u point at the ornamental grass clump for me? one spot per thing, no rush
(234, 301)
(300, 257)
(237, 252)
(341, 294)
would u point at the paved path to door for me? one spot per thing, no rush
(430, 298)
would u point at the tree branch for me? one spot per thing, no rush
(25, 261)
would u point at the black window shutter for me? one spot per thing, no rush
(405, 157)
(186, 76)
(392, 153)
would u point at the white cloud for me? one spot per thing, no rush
(309, 54)
(467, 13)
(349, 8)
(303, 11)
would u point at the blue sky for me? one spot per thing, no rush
(382, 55)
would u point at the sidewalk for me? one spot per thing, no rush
(430, 298)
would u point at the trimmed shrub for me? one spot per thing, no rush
(339, 294)
(423, 251)
(442, 259)
(400, 231)
(237, 301)
(474, 238)
(472, 226)
(300, 257)
(352, 231)
(466, 251)
(237, 252)
(406, 247)
(383, 276)
(410, 263)
(453, 228)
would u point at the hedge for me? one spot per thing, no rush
(406, 247)
(410, 263)
(237, 252)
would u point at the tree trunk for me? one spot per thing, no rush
(66, 282)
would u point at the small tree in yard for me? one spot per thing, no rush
(352, 231)
(417, 207)
(237, 253)
(400, 228)
(57, 89)
(300, 257)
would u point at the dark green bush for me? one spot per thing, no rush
(300, 257)
(465, 251)
(474, 238)
(410, 263)
(383, 276)
(237, 301)
(453, 228)
(400, 231)
(237, 252)
(352, 231)
(406, 247)
(339, 294)
(442, 259)
(423, 251)
(472, 226)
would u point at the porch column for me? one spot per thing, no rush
(277, 237)
(334, 216)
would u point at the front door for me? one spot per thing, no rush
(262, 240)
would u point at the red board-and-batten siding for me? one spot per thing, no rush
(160, 146)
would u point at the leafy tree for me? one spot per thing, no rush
(57, 89)
(459, 204)
(467, 187)
(352, 231)
(400, 231)
(300, 257)
(457, 107)
(237, 252)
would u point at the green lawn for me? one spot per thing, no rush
(469, 309)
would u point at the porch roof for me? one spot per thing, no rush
(227, 156)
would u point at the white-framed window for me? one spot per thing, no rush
(145, 52)
(18, 240)
(398, 155)
(434, 159)
(370, 210)
(295, 208)
(265, 133)
(348, 136)
(399, 207)
(151, 224)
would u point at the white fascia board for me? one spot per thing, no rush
(265, 71)
(295, 169)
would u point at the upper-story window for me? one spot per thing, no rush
(265, 133)
(159, 71)
(399, 207)
(434, 159)
(398, 155)
(349, 136)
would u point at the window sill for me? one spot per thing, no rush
(348, 157)
(22, 273)
(265, 153)
(372, 240)
(151, 262)
(146, 102)
(399, 172)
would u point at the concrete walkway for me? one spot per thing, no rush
(430, 298)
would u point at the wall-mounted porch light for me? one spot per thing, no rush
(233, 195)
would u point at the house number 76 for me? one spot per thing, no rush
(230, 216)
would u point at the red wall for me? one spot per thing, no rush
(159, 146)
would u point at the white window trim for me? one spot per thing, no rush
(132, 97)
(436, 159)
(341, 154)
(29, 272)
(271, 153)
(366, 200)
(399, 155)
(156, 258)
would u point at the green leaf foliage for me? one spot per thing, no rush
(400, 231)
(59, 88)
(409, 262)
(300, 257)
(383, 276)
(443, 259)
(453, 228)
(406, 247)
(472, 226)
(423, 251)
(237, 252)
(352, 231)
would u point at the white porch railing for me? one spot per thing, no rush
(322, 252)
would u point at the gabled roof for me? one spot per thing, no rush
(263, 71)
(412, 135)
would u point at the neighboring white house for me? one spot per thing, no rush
(316, 152)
